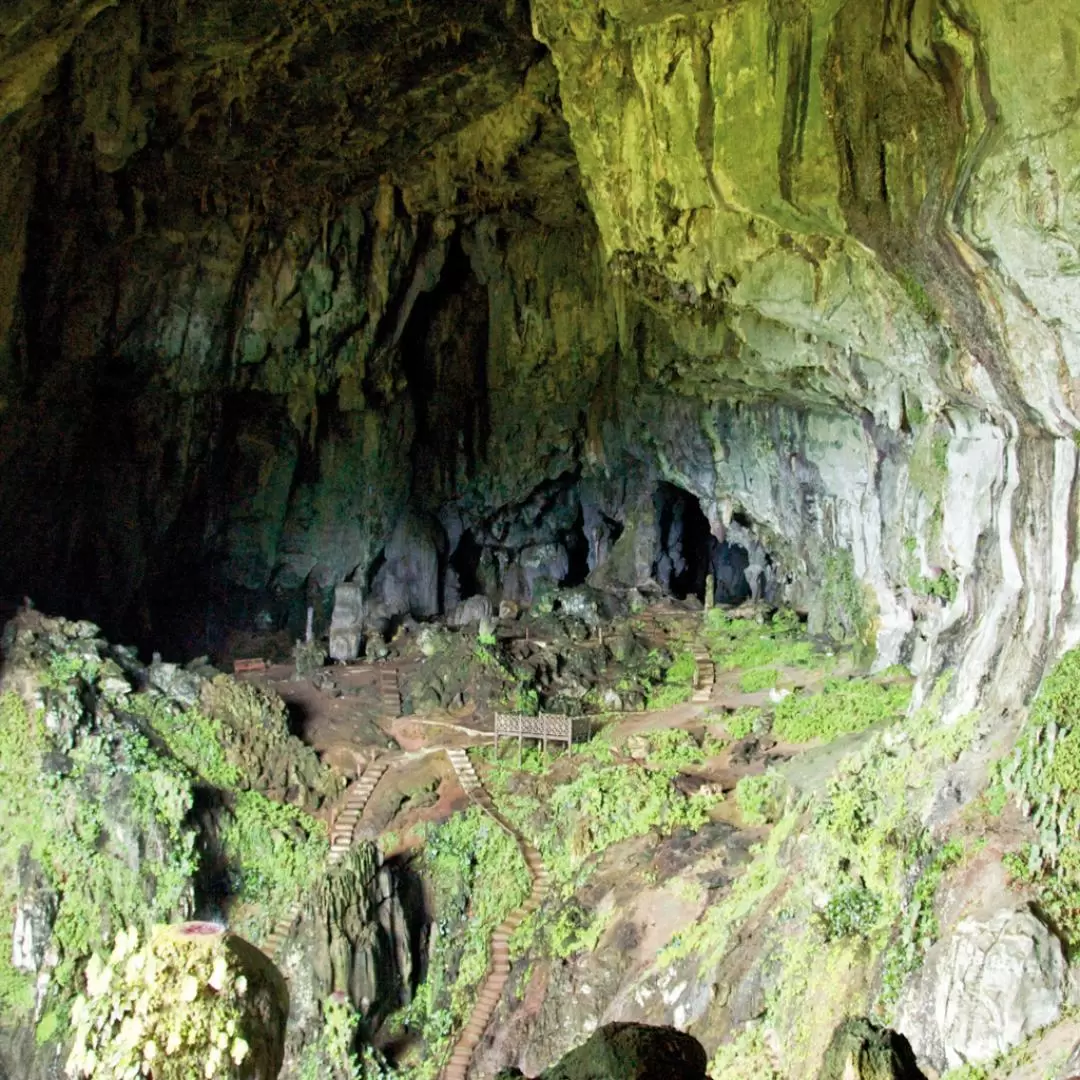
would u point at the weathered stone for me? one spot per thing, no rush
(346, 623)
(470, 611)
(861, 1051)
(994, 982)
(633, 1052)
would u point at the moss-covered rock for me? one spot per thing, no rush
(862, 1051)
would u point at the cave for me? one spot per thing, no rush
(407, 364)
(686, 544)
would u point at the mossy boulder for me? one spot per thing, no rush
(861, 1051)
(192, 1000)
(630, 1052)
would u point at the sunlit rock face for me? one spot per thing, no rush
(282, 285)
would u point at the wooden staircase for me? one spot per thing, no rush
(491, 989)
(341, 840)
(705, 676)
(389, 692)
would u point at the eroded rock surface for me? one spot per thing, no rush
(995, 981)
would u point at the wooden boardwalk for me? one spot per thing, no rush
(491, 989)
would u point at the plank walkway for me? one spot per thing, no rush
(491, 989)
(341, 839)
(389, 691)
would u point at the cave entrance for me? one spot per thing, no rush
(686, 542)
(729, 565)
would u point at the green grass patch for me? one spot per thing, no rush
(748, 644)
(758, 679)
(842, 707)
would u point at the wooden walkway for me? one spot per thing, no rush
(491, 989)
(389, 691)
(341, 840)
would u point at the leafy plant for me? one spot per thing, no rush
(761, 798)
(758, 679)
(276, 853)
(851, 911)
(167, 1009)
(842, 707)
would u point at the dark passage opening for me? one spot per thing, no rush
(729, 563)
(684, 557)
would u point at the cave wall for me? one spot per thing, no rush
(812, 262)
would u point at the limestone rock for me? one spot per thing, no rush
(346, 623)
(473, 610)
(994, 982)
(861, 1051)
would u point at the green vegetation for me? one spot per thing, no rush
(332, 1054)
(1044, 774)
(761, 798)
(747, 644)
(920, 929)
(758, 679)
(196, 740)
(743, 722)
(72, 823)
(943, 585)
(919, 297)
(846, 604)
(574, 931)
(675, 747)
(277, 853)
(842, 707)
(851, 911)
(678, 683)
(478, 877)
(168, 1009)
(863, 845)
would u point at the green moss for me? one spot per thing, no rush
(919, 297)
(845, 603)
(841, 708)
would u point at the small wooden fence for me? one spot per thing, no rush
(547, 727)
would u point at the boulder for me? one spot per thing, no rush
(994, 982)
(861, 1051)
(470, 611)
(629, 1052)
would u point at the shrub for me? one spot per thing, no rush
(841, 708)
(176, 1008)
(761, 798)
(758, 679)
(851, 911)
